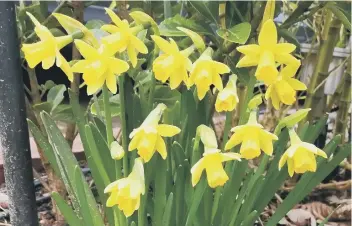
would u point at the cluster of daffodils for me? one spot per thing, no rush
(267, 56)
(101, 66)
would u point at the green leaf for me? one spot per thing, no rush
(114, 106)
(168, 210)
(169, 26)
(291, 120)
(94, 24)
(81, 196)
(339, 13)
(69, 164)
(63, 112)
(44, 145)
(209, 9)
(48, 85)
(163, 94)
(289, 37)
(56, 95)
(237, 34)
(66, 210)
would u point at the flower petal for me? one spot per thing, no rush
(114, 17)
(284, 48)
(268, 34)
(164, 45)
(118, 66)
(87, 51)
(283, 160)
(296, 84)
(132, 55)
(235, 140)
(161, 147)
(111, 82)
(248, 61)
(196, 171)
(230, 156)
(167, 130)
(252, 49)
(139, 45)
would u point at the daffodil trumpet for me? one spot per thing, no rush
(227, 98)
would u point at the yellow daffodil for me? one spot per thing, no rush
(284, 88)
(212, 160)
(126, 192)
(47, 50)
(300, 156)
(172, 64)
(148, 137)
(227, 98)
(73, 26)
(123, 37)
(98, 67)
(266, 53)
(116, 151)
(206, 72)
(253, 138)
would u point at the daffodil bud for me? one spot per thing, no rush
(196, 38)
(116, 151)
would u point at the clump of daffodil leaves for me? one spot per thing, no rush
(106, 59)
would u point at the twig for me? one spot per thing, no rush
(342, 185)
(278, 198)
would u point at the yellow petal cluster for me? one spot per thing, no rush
(227, 98)
(172, 64)
(206, 72)
(253, 138)
(284, 88)
(267, 53)
(47, 50)
(212, 160)
(300, 156)
(123, 37)
(126, 192)
(99, 67)
(148, 137)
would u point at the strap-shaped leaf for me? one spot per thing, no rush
(68, 213)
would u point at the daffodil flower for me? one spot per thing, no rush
(206, 72)
(212, 160)
(300, 156)
(253, 138)
(98, 67)
(172, 64)
(148, 137)
(47, 50)
(284, 88)
(126, 192)
(123, 37)
(266, 53)
(227, 98)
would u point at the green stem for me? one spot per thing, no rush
(108, 120)
(325, 54)
(344, 105)
(244, 114)
(123, 123)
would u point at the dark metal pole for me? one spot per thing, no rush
(14, 139)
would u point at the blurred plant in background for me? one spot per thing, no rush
(164, 75)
